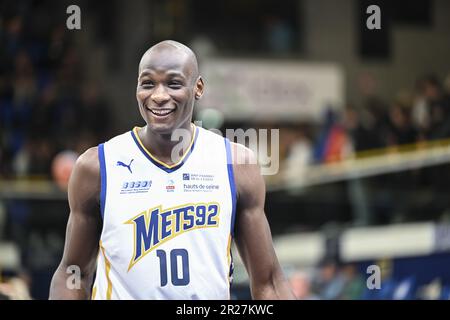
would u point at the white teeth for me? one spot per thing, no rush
(161, 112)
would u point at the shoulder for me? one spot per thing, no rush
(123, 137)
(84, 183)
(88, 163)
(210, 136)
(247, 174)
(242, 156)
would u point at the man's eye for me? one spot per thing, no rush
(175, 85)
(147, 84)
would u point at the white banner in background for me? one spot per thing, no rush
(271, 90)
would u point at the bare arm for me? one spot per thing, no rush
(253, 236)
(83, 228)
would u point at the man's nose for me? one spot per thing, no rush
(160, 95)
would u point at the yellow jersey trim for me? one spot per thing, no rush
(108, 269)
(168, 166)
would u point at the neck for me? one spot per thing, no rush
(161, 146)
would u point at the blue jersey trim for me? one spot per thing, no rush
(232, 183)
(101, 158)
(162, 167)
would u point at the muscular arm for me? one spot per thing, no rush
(252, 234)
(83, 228)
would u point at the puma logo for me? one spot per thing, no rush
(121, 164)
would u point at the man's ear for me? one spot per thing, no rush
(199, 86)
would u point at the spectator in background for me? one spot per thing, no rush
(93, 104)
(447, 85)
(354, 283)
(329, 282)
(279, 35)
(332, 144)
(301, 286)
(374, 121)
(372, 118)
(12, 37)
(432, 108)
(34, 158)
(402, 130)
(357, 188)
(15, 287)
(299, 155)
(57, 47)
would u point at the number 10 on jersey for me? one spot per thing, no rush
(175, 256)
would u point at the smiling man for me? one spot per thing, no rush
(154, 210)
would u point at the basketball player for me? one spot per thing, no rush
(150, 223)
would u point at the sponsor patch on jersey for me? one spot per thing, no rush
(198, 177)
(170, 186)
(129, 187)
(200, 187)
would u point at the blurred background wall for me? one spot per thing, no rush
(363, 119)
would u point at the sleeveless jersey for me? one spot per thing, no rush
(167, 229)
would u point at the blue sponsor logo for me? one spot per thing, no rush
(135, 186)
(185, 176)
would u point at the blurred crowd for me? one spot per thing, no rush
(51, 110)
(47, 104)
(15, 287)
(332, 280)
(328, 281)
(414, 116)
(414, 119)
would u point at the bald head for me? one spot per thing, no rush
(168, 53)
(168, 80)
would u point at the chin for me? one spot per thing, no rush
(161, 128)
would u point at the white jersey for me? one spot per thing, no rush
(167, 229)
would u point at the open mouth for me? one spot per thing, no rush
(161, 112)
